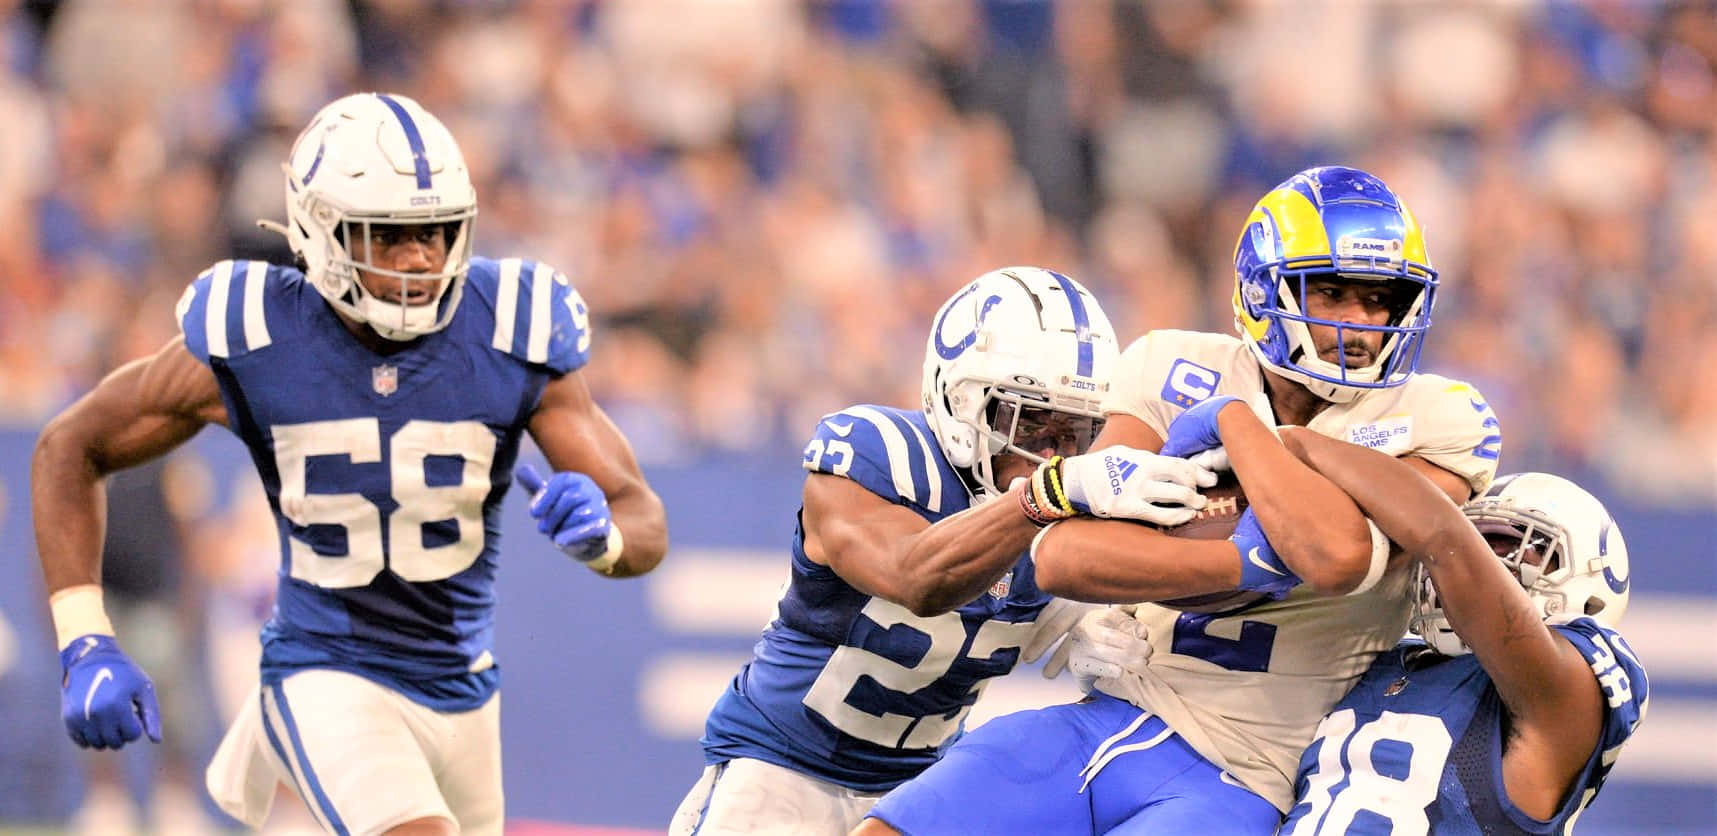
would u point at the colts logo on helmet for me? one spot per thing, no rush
(949, 352)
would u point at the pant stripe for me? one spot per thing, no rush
(299, 761)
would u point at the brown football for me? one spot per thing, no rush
(1215, 522)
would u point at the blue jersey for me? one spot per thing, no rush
(1419, 749)
(856, 690)
(385, 472)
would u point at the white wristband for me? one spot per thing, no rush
(603, 564)
(1380, 549)
(77, 611)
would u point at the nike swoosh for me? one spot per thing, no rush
(1229, 780)
(101, 676)
(841, 429)
(1259, 562)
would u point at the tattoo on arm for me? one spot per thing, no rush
(1519, 623)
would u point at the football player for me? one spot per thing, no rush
(1333, 292)
(382, 388)
(911, 587)
(1508, 711)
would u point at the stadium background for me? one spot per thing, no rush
(763, 201)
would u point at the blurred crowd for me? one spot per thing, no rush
(764, 200)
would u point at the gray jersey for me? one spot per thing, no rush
(1247, 690)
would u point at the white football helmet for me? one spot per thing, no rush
(1569, 556)
(1017, 355)
(371, 159)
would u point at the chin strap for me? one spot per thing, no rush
(272, 226)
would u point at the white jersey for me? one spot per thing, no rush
(1248, 689)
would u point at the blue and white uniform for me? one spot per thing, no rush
(1417, 746)
(854, 691)
(1220, 716)
(385, 474)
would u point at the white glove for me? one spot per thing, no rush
(1125, 483)
(1104, 644)
(1052, 623)
(1215, 459)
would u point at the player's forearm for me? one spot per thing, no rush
(642, 521)
(1408, 508)
(68, 505)
(1119, 562)
(1482, 600)
(955, 560)
(1314, 525)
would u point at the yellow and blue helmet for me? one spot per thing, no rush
(1331, 222)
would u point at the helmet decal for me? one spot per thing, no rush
(413, 139)
(949, 352)
(1081, 322)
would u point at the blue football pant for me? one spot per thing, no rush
(1027, 773)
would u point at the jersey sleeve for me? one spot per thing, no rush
(225, 312)
(540, 317)
(1458, 431)
(886, 454)
(1620, 675)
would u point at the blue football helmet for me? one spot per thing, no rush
(1331, 222)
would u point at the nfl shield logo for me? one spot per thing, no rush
(385, 379)
(1000, 588)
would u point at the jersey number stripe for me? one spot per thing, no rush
(359, 440)
(837, 695)
(1394, 764)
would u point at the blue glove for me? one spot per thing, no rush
(570, 509)
(105, 699)
(1194, 430)
(1261, 569)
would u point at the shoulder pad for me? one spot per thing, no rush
(539, 317)
(890, 454)
(1620, 675)
(1456, 428)
(225, 312)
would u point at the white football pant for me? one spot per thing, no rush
(755, 797)
(362, 757)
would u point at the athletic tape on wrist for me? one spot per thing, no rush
(603, 564)
(78, 611)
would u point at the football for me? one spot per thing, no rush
(1215, 522)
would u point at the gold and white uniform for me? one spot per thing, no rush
(1248, 690)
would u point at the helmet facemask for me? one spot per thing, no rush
(426, 301)
(1021, 423)
(1412, 288)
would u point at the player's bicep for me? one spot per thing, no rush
(1125, 429)
(1455, 485)
(576, 435)
(858, 534)
(141, 410)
